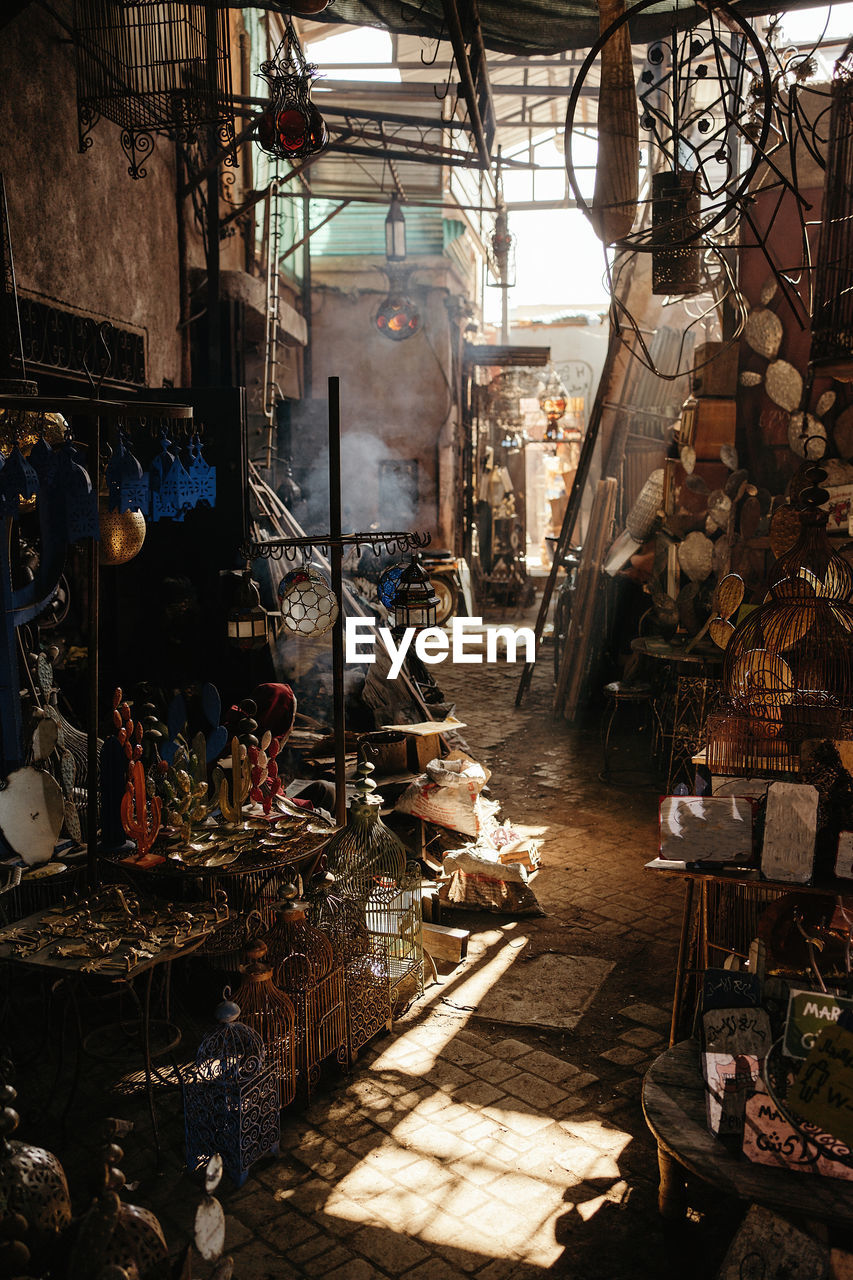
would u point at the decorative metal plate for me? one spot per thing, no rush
(763, 332)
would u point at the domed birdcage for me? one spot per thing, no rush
(307, 969)
(231, 1097)
(371, 865)
(364, 958)
(788, 670)
(271, 1014)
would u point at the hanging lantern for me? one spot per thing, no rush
(122, 534)
(248, 625)
(553, 402)
(415, 601)
(501, 255)
(389, 579)
(395, 232)
(271, 1014)
(290, 127)
(231, 1097)
(33, 1185)
(832, 314)
(308, 604)
(676, 223)
(398, 318)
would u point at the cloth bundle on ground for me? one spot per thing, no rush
(448, 794)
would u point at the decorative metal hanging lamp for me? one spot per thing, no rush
(398, 317)
(415, 602)
(231, 1097)
(395, 232)
(553, 402)
(290, 126)
(248, 624)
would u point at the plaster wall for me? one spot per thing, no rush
(84, 234)
(398, 399)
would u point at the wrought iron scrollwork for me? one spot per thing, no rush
(288, 548)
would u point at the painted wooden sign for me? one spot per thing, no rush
(809, 1012)
(730, 989)
(769, 1138)
(823, 1091)
(790, 825)
(736, 1044)
(706, 828)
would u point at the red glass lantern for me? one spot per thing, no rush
(398, 317)
(290, 127)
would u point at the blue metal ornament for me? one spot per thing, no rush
(18, 482)
(231, 1097)
(171, 488)
(128, 486)
(202, 475)
(388, 582)
(72, 489)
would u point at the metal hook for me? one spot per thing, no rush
(100, 333)
(446, 90)
(429, 62)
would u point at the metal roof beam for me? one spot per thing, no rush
(468, 85)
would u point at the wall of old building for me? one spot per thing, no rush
(399, 399)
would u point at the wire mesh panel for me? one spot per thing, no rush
(152, 67)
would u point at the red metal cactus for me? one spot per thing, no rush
(140, 814)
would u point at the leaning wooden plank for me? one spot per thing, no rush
(445, 943)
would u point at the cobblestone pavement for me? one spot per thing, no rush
(459, 1146)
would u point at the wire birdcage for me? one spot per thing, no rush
(231, 1097)
(152, 66)
(370, 865)
(270, 1012)
(364, 958)
(788, 670)
(307, 969)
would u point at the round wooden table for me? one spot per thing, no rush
(674, 1106)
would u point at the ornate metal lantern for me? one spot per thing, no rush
(248, 625)
(122, 534)
(395, 232)
(398, 318)
(271, 1014)
(32, 1185)
(308, 603)
(415, 601)
(371, 866)
(676, 224)
(290, 127)
(231, 1097)
(364, 960)
(306, 967)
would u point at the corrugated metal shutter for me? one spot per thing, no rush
(360, 229)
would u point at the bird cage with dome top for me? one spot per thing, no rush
(364, 958)
(371, 866)
(271, 1014)
(231, 1097)
(307, 968)
(788, 669)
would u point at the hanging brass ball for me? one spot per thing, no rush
(122, 534)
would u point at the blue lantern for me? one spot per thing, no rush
(231, 1097)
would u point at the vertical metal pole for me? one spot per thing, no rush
(92, 794)
(214, 322)
(336, 558)
(307, 362)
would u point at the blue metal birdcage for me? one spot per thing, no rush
(231, 1097)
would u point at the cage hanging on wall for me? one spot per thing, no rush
(788, 669)
(306, 968)
(370, 865)
(290, 126)
(152, 68)
(364, 960)
(832, 314)
(270, 1013)
(231, 1097)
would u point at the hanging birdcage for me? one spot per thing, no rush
(306, 968)
(364, 960)
(832, 313)
(788, 670)
(270, 1013)
(152, 68)
(290, 127)
(231, 1097)
(370, 865)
